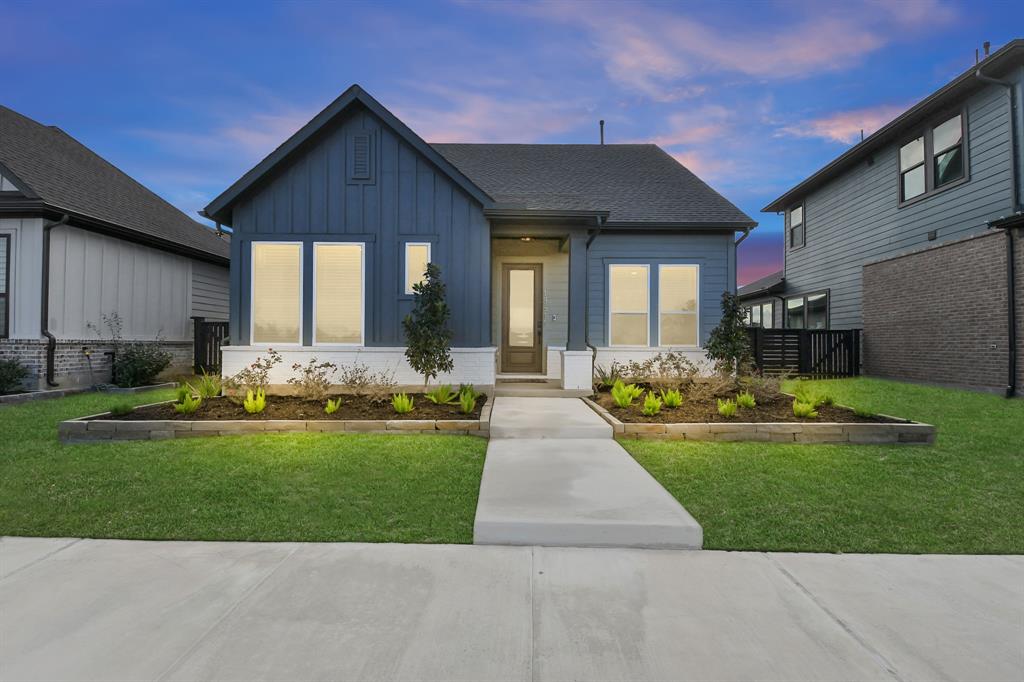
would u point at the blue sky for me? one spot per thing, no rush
(753, 97)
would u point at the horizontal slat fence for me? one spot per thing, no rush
(818, 353)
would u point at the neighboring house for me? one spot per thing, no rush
(906, 236)
(549, 252)
(79, 239)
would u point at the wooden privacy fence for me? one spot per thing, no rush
(807, 352)
(207, 338)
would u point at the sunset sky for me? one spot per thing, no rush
(752, 97)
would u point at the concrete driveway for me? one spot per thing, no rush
(113, 610)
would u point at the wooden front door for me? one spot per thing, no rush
(522, 318)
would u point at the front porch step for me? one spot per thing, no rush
(535, 389)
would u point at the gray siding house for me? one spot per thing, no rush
(945, 171)
(553, 255)
(79, 239)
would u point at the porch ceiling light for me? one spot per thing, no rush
(525, 238)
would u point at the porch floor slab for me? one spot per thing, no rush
(536, 389)
(576, 493)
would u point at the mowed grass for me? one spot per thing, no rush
(965, 494)
(303, 486)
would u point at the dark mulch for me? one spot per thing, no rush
(780, 410)
(289, 407)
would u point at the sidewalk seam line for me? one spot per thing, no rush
(231, 609)
(880, 658)
(42, 558)
(533, 616)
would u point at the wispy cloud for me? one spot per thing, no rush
(659, 52)
(845, 126)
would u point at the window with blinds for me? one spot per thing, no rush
(339, 293)
(276, 292)
(677, 305)
(417, 255)
(629, 305)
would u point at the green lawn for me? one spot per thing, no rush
(965, 494)
(319, 487)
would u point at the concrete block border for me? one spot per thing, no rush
(19, 398)
(903, 432)
(100, 427)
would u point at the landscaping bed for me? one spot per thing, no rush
(291, 407)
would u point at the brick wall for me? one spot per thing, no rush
(1019, 295)
(939, 315)
(73, 367)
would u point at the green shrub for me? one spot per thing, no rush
(332, 406)
(189, 405)
(814, 397)
(442, 395)
(672, 399)
(804, 410)
(468, 388)
(624, 394)
(862, 413)
(652, 404)
(120, 409)
(402, 403)
(182, 391)
(746, 400)
(254, 403)
(467, 401)
(607, 377)
(12, 373)
(207, 386)
(726, 408)
(138, 364)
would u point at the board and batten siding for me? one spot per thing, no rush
(92, 275)
(313, 198)
(856, 218)
(26, 266)
(713, 252)
(210, 291)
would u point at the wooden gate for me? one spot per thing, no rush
(207, 338)
(807, 352)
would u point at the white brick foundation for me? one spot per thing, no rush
(472, 365)
(577, 369)
(606, 356)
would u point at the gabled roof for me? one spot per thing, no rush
(635, 183)
(1008, 55)
(220, 208)
(769, 284)
(66, 176)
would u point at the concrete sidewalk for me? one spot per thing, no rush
(113, 610)
(554, 476)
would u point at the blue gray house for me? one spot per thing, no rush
(912, 235)
(555, 256)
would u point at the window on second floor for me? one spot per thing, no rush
(796, 226)
(933, 159)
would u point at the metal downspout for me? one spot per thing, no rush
(44, 302)
(1011, 313)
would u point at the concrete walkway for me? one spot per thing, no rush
(554, 476)
(119, 610)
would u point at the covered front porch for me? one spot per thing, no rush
(539, 303)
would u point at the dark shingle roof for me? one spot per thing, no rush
(767, 284)
(635, 183)
(67, 175)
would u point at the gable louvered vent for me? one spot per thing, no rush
(361, 157)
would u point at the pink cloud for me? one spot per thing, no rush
(656, 48)
(846, 126)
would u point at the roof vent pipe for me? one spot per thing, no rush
(987, 45)
(601, 123)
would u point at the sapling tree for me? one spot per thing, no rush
(729, 344)
(427, 336)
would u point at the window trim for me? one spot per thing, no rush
(5, 331)
(927, 130)
(362, 287)
(647, 327)
(803, 226)
(252, 294)
(405, 263)
(804, 296)
(695, 313)
(748, 312)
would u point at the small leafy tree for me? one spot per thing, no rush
(729, 345)
(427, 337)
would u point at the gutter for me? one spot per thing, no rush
(1008, 226)
(44, 301)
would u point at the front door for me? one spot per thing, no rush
(522, 319)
